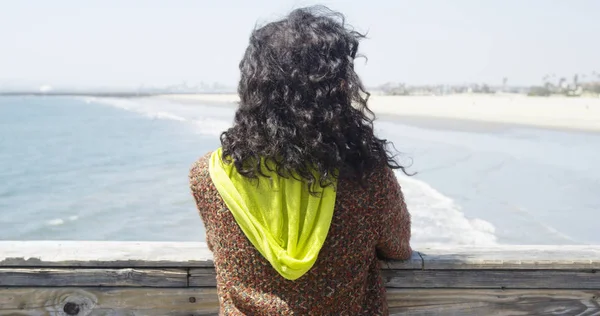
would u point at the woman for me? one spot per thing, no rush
(301, 200)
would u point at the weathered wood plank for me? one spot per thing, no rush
(111, 254)
(465, 302)
(490, 279)
(196, 254)
(475, 279)
(202, 277)
(108, 301)
(195, 302)
(205, 277)
(511, 257)
(415, 262)
(93, 277)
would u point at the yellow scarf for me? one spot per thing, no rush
(281, 219)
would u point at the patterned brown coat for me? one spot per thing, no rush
(367, 224)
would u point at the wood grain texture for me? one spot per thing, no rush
(492, 279)
(196, 255)
(163, 278)
(205, 277)
(512, 257)
(93, 277)
(415, 262)
(453, 279)
(202, 277)
(108, 301)
(493, 302)
(196, 302)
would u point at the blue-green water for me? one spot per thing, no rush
(76, 170)
(116, 169)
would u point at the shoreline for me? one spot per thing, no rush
(556, 113)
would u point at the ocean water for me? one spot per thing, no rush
(116, 169)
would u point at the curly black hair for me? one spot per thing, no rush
(303, 108)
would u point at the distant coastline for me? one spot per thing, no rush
(133, 94)
(96, 94)
(553, 112)
(581, 85)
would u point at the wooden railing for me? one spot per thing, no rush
(168, 278)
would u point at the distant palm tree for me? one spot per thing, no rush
(562, 81)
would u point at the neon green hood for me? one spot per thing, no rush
(281, 219)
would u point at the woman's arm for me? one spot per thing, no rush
(199, 181)
(394, 238)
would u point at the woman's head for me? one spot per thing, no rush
(302, 106)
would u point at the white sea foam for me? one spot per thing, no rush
(55, 222)
(165, 115)
(204, 125)
(437, 219)
(211, 127)
(60, 221)
(124, 104)
(151, 109)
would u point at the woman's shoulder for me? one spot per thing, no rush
(198, 172)
(380, 183)
(381, 176)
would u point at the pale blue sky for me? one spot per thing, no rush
(124, 43)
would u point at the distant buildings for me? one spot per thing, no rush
(580, 85)
(403, 89)
(551, 86)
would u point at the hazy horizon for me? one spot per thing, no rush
(67, 43)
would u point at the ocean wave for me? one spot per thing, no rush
(154, 110)
(211, 127)
(55, 222)
(165, 115)
(60, 221)
(437, 219)
(204, 125)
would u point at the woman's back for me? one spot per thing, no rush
(345, 280)
(303, 239)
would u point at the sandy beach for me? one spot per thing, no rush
(553, 112)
